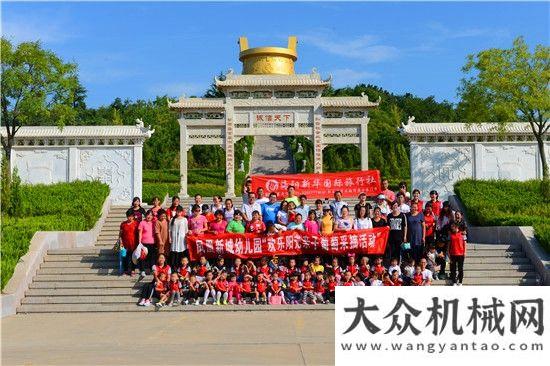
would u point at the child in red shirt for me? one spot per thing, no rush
(208, 287)
(319, 289)
(457, 251)
(261, 289)
(174, 288)
(276, 287)
(352, 266)
(307, 288)
(184, 271)
(234, 290)
(331, 288)
(336, 269)
(247, 288)
(395, 279)
(347, 281)
(417, 279)
(256, 225)
(379, 267)
(386, 280)
(364, 268)
(222, 287)
(294, 293)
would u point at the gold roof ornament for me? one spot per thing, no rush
(268, 60)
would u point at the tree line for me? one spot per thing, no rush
(499, 85)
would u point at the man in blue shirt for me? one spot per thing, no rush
(270, 209)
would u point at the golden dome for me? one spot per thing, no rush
(268, 60)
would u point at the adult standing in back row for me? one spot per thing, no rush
(337, 205)
(397, 221)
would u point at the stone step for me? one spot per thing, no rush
(473, 281)
(81, 251)
(94, 265)
(79, 258)
(85, 308)
(498, 274)
(78, 271)
(82, 299)
(497, 266)
(495, 260)
(85, 284)
(90, 277)
(490, 247)
(494, 253)
(49, 292)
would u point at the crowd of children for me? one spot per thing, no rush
(422, 238)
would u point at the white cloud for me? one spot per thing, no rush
(366, 47)
(24, 29)
(176, 89)
(348, 77)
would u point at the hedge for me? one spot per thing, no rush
(506, 203)
(72, 206)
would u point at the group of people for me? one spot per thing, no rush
(423, 237)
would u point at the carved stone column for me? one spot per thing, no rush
(317, 143)
(183, 158)
(230, 156)
(364, 145)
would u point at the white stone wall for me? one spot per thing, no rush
(118, 166)
(438, 165)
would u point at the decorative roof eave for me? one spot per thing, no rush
(232, 80)
(36, 136)
(197, 103)
(463, 132)
(347, 102)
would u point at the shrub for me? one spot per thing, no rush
(72, 206)
(506, 203)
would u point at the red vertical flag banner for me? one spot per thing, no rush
(321, 185)
(368, 242)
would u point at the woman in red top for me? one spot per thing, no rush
(429, 222)
(457, 251)
(128, 240)
(436, 203)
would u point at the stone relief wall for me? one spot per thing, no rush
(518, 162)
(111, 165)
(439, 167)
(42, 165)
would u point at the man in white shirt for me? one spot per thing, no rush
(260, 198)
(303, 209)
(250, 207)
(427, 276)
(337, 204)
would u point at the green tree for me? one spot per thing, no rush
(509, 85)
(37, 88)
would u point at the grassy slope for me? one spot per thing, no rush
(58, 207)
(502, 203)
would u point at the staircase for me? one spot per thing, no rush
(86, 279)
(271, 156)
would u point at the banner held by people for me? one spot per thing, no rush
(288, 243)
(321, 185)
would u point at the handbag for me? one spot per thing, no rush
(406, 246)
(116, 247)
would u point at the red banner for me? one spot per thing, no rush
(320, 185)
(369, 241)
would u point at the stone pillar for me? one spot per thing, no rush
(478, 161)
(317, 143)
(229, 155)
(183, 159)
(137, 169)
(73, 164)
(364, 146)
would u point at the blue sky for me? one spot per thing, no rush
(140, 50)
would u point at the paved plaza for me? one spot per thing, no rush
(194, 338)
